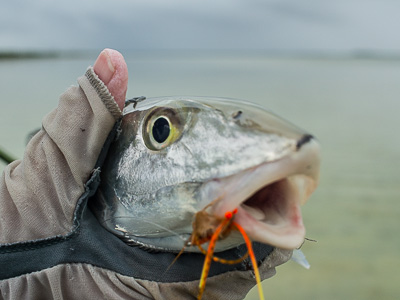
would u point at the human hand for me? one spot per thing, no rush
(52, 247)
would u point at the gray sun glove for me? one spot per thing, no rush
(52, 247)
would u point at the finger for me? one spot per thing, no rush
(111, 68)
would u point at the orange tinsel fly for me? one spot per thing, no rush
(207, 228)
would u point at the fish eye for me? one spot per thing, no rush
(162, 128)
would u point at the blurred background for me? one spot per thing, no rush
(331, 67)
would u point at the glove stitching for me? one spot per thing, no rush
(103, 92)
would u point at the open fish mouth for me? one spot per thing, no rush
(268, 197)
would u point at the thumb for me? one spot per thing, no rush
(111, 68)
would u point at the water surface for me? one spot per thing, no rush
(350, 105)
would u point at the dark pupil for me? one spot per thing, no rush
(161, 130)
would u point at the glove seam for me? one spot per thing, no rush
(103, 92)
(124, 275)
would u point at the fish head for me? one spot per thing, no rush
(175, 156)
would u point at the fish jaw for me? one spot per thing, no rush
(268, 197)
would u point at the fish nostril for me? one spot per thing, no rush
(237, 115)
(303, 140)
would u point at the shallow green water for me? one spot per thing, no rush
(350, 105)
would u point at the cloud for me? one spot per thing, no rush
(239, 24)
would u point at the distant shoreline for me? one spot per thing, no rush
(51, 54)
(12, 55)
(177, 53)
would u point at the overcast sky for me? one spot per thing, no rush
(290, 25)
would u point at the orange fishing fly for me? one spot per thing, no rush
(208, 228)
